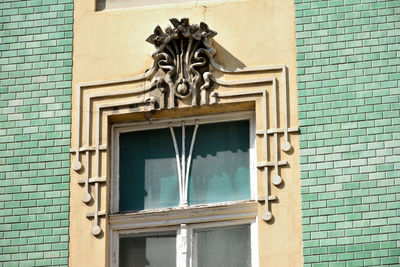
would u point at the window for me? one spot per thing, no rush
(183, 192)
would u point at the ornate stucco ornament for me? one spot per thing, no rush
(180, 76)
(181, 62)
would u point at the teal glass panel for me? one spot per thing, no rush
(148, 175)
(148, 251)
(222, 247)
(220, 167)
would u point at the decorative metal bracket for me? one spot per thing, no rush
(181, 76)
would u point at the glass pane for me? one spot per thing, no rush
(220, 167)
(222, 247)
(148, 174)
(150, 251)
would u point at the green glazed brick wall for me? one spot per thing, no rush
(35, 104)
(348, 58)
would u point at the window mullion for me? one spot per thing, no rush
(190, 247)
(182, 246)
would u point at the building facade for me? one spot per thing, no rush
(313, 85)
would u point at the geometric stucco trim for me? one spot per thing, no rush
(183, 74)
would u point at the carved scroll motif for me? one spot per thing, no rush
(181, 62)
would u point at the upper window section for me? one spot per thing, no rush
(215, 161)
(220, 166)
(148, 174)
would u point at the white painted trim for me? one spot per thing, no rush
(183, 167)
(254, 240)
(182, 246)
(190, 155)
(253, 157)
(183, 199)
(178, 162)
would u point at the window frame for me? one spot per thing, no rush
(199, 216)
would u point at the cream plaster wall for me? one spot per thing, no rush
(111, 44)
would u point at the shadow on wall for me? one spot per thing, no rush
(224, 55)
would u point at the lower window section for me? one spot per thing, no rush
(148, 251)
(222, 247)
(227, 246)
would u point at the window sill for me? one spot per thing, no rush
(237, 210)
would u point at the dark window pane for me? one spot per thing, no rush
(148, 251)
(148, 174)
(219, 169)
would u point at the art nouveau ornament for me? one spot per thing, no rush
(181, 62)
(181, 75)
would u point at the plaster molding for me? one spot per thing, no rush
(182, 75)
(182, 62)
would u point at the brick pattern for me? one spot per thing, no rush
(35, 105)
(348, 87)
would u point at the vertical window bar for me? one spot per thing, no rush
(178, 163)
(183, 201)
(182, 165)
(190, 156)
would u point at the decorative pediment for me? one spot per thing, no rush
(183, 74)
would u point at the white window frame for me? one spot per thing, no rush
(185, 219)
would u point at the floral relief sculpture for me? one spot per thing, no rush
(181, 62)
